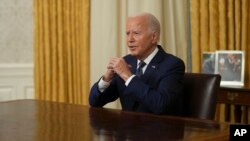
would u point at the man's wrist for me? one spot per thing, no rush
(106, 79)
(129, 79)
(102, 85)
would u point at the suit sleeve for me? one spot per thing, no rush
(99, 99)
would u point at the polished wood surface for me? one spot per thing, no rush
(31, 120)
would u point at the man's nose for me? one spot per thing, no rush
(130, 38)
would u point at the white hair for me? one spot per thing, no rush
(154, 24)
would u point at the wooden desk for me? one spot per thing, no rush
(30, 120)
(238, 96)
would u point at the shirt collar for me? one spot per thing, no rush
(150, 57)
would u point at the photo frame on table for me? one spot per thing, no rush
(230, 64)
(208, 62)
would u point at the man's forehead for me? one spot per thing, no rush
(137, 19)
(136, 23)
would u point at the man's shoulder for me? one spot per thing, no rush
(171, 61)
(168, 57)
(171, 56)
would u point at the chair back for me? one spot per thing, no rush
(200, 93)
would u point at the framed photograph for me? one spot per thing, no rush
(208, 62)
(230, 64)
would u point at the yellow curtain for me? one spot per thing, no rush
(219, 25)
(62, 50)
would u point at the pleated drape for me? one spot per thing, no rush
(62, 50)
(219, 25)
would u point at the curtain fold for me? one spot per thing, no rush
(219, 25)
(62, 50)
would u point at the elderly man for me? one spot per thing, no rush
(146, 80)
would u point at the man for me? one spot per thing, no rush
(231, 68)
(157, 87)
(208, 64)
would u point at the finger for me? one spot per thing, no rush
(110, 66)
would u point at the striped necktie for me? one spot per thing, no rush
(139, 71)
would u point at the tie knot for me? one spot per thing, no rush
(142, 64)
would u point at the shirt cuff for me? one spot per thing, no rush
(129, 79)
(103, 85)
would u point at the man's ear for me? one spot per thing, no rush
(155, 38)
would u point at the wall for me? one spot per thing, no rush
(16, 49)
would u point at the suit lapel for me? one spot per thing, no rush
(154, 64)
(149, 71)
(134, 66)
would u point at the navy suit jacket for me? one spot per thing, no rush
(159, 90)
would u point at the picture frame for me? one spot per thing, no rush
(230, 64)
(208, 62)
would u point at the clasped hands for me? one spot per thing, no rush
(117, 66)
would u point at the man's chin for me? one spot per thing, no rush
(134, 55)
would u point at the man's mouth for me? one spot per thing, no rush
(132, 47)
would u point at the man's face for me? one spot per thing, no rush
(232, 58)
(141, 41)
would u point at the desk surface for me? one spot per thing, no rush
(31, 120)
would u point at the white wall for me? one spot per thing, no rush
(16, 49)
